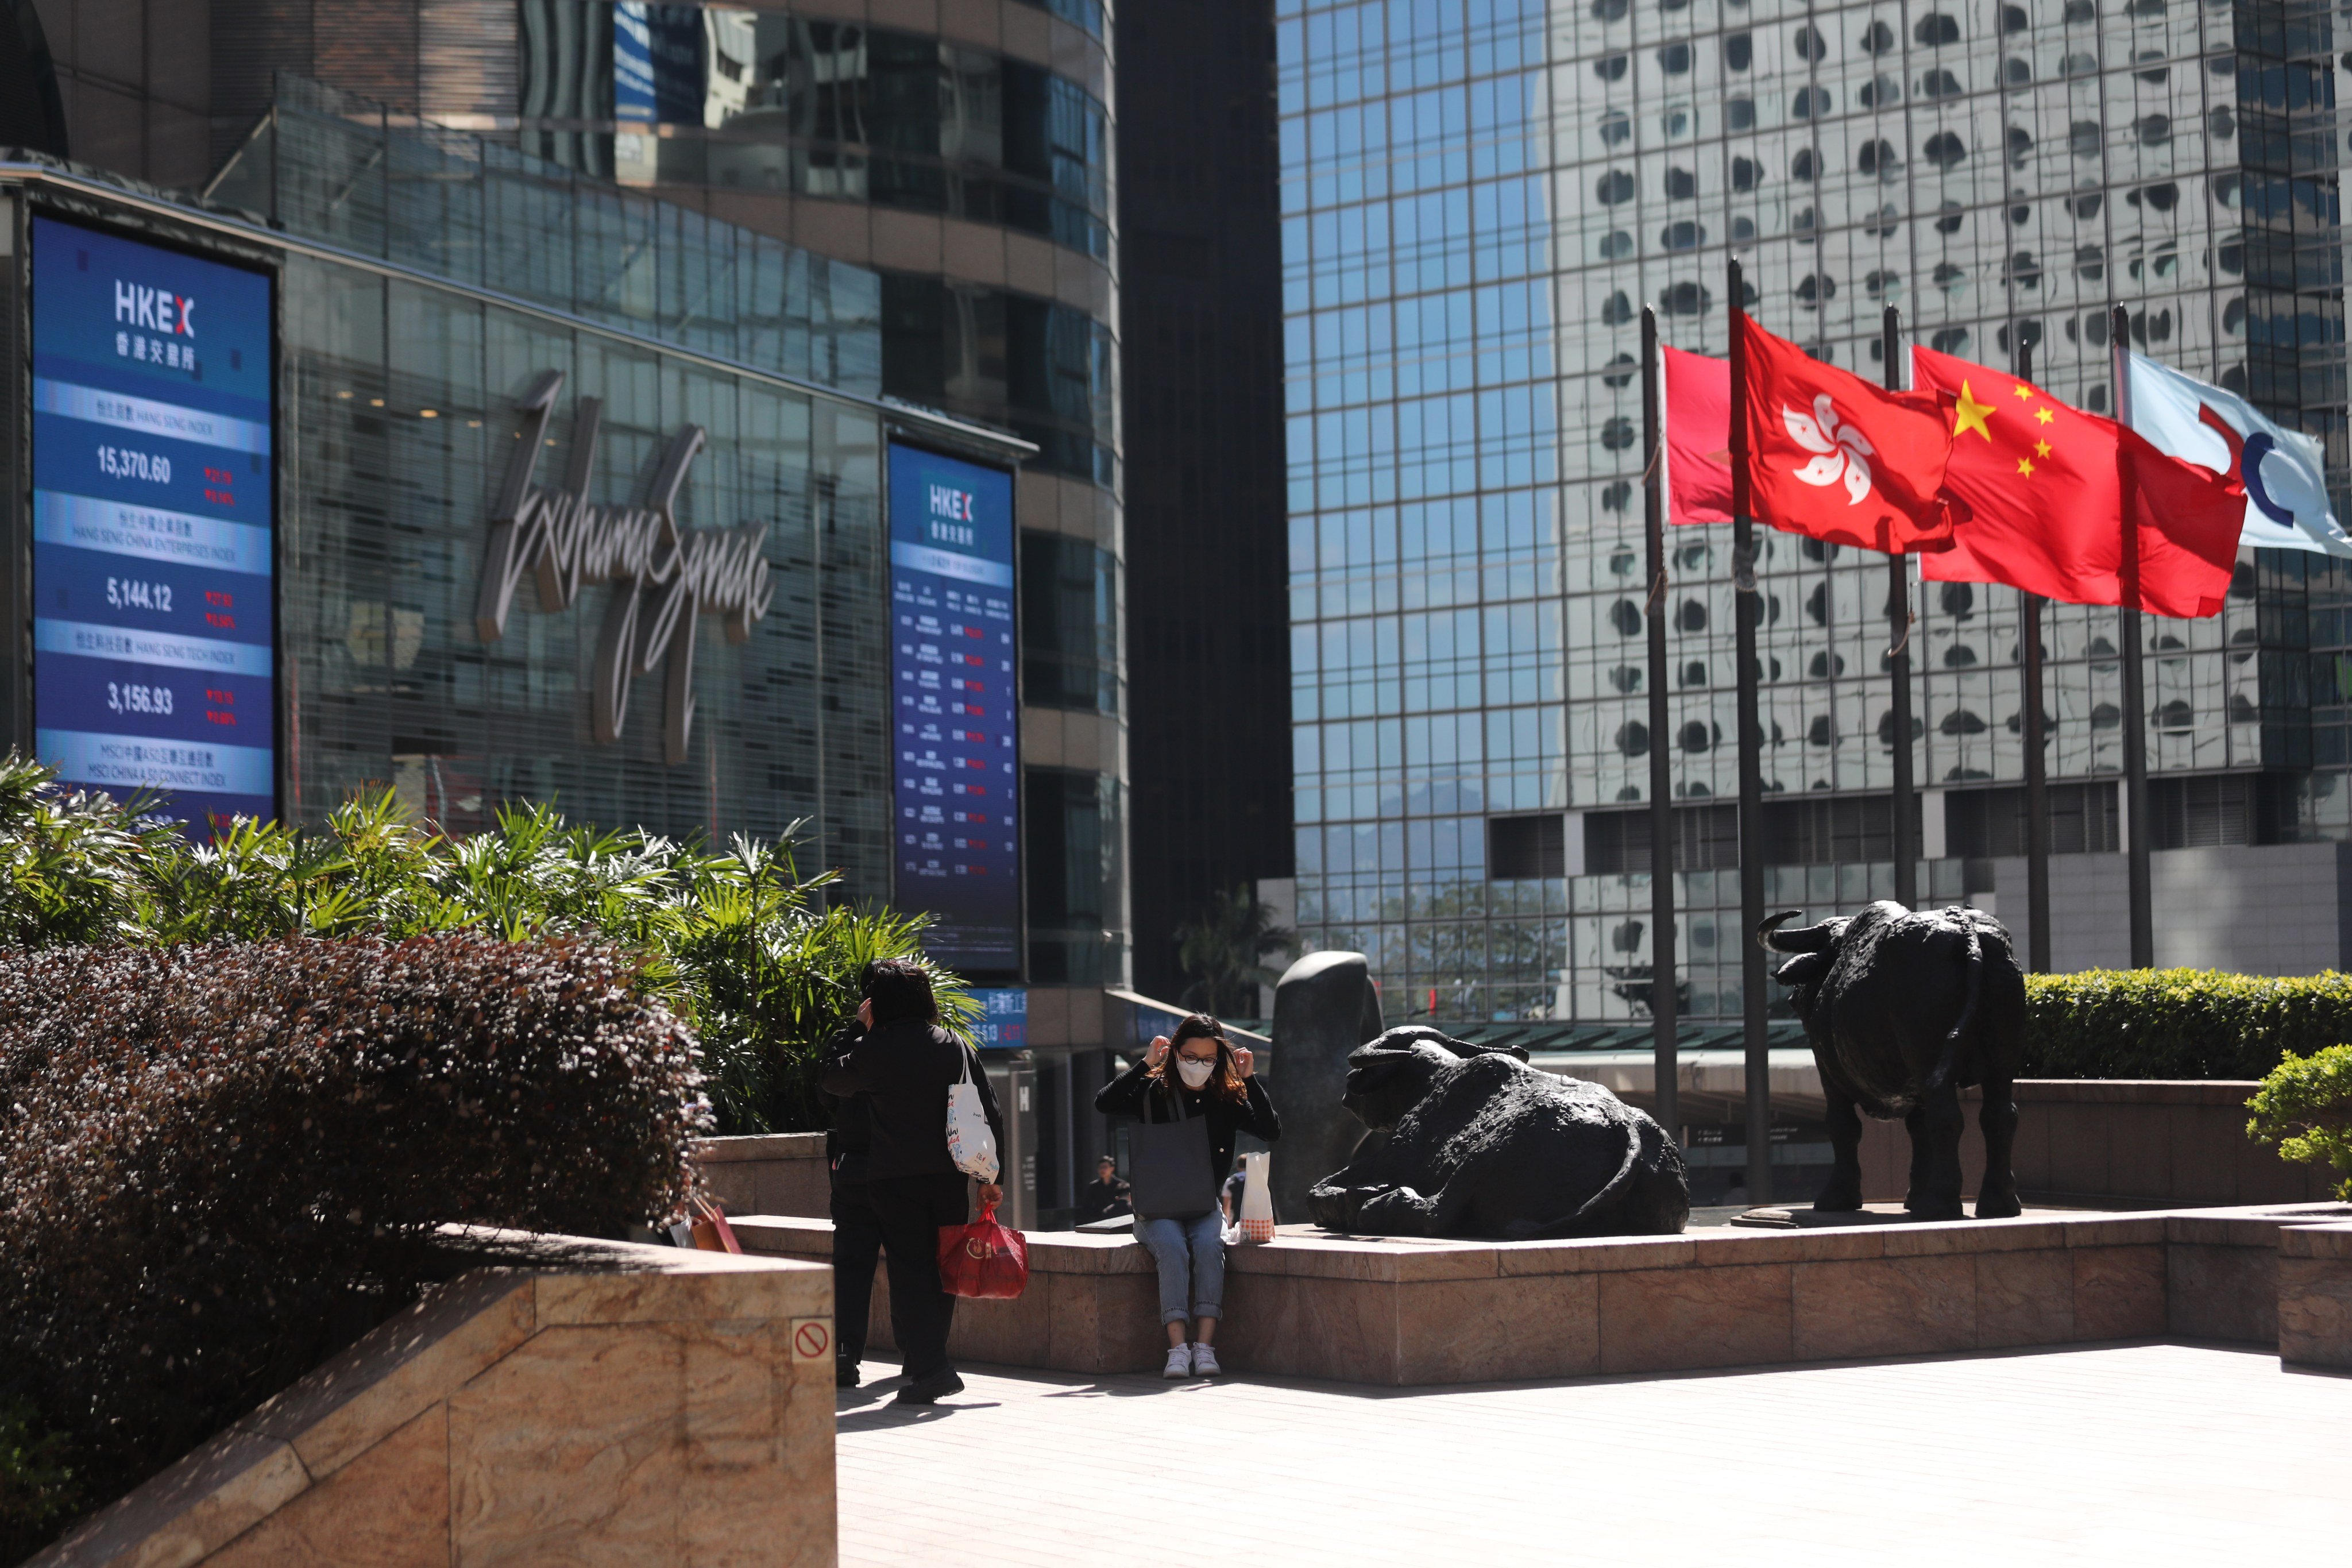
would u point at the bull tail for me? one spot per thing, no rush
(1948, 1062)
(1594, 1208)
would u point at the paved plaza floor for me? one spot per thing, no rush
(2137, 1453)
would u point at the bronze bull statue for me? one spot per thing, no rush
(1904, 1009)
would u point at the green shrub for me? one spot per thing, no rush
(2178, 1023)
(39, 1492)
(750, 953)
(224, 1159)
(2305, 1107)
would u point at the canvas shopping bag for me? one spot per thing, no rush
(1167, 1163)
(971, 1145)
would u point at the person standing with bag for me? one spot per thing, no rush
(857, 1234)
(1194, 1094)
(908, 1067)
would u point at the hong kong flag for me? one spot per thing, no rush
(1833, 458)
(2049, 490)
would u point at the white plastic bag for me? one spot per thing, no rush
(1257, 1198)
(970, 1145)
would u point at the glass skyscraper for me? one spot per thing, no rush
(1478, 198)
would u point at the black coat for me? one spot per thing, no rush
(851, 1138)
(1124, 1096)
(905, 1070)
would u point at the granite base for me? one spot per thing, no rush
(1399, 1312)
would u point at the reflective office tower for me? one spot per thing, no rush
(963, 152)
(960, 150)
(1479, 198)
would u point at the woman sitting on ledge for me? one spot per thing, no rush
(1201, 1074)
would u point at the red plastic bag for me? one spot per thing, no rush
(984, 1260)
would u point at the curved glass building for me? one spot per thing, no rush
(963, 152)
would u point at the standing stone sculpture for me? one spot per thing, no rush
(1478, 1144)
(1904, 1009)
(1323, 1007)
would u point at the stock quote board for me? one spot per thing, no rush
(955, 709)
(153, 502)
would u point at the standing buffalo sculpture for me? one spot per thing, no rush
(1470, 1140)
(1904, 1009)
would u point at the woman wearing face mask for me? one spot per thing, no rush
(1212, 1077)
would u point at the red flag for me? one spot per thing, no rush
(2046, 501)
(1835, 459)
(1698, 437)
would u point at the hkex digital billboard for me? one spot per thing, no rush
(955, 742)
(153, 503)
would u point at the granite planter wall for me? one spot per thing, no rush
(769, 1172)
(588, 1403)
(1405, 1312)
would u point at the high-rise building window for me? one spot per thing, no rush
(1069, 631)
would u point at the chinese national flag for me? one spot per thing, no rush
(1835, 459)
(2046, 502)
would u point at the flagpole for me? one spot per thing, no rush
(2037, 765)
(1757, 1057)
(1905, 807)
(2136, 823)
(1665, 1075)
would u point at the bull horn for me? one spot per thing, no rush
(1810, 939)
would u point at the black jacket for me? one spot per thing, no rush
(848, 1145)
(905, 1070)
(1125, 1095)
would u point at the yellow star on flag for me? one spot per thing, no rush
(2043, 417)
(2025, 392)
(2025, 465)
(1972, 415)
(2041, 448)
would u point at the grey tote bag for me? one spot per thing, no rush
(1168, 1163)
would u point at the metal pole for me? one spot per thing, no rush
(1758, 1056)
(2037, 763)
(1665, 1023)
(2143, 924)
(1906, 808)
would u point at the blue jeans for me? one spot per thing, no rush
(1192, 1257)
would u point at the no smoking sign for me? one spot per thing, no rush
(812, 1339)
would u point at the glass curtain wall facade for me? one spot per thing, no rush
(1478, 199)
(398, 385)
(966, 155)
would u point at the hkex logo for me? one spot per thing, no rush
(157, 310)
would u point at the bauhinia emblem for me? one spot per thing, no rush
(1842, 452)
(664, 575)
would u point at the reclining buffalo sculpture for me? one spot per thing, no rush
(1905, 1009)
(1469, 1140)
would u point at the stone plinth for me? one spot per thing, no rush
(771, 1173)
(1092, 1305)
(2314, 1294)
(2086, 1140)
(1402, 1312)
(610, 1404)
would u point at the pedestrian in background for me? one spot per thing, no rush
(905, 1066)
(1105, 1198)
(1198, 1072)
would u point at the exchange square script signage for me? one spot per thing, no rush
(664, 576)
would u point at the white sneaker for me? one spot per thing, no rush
(1180, 1362)
(1204, 1361)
